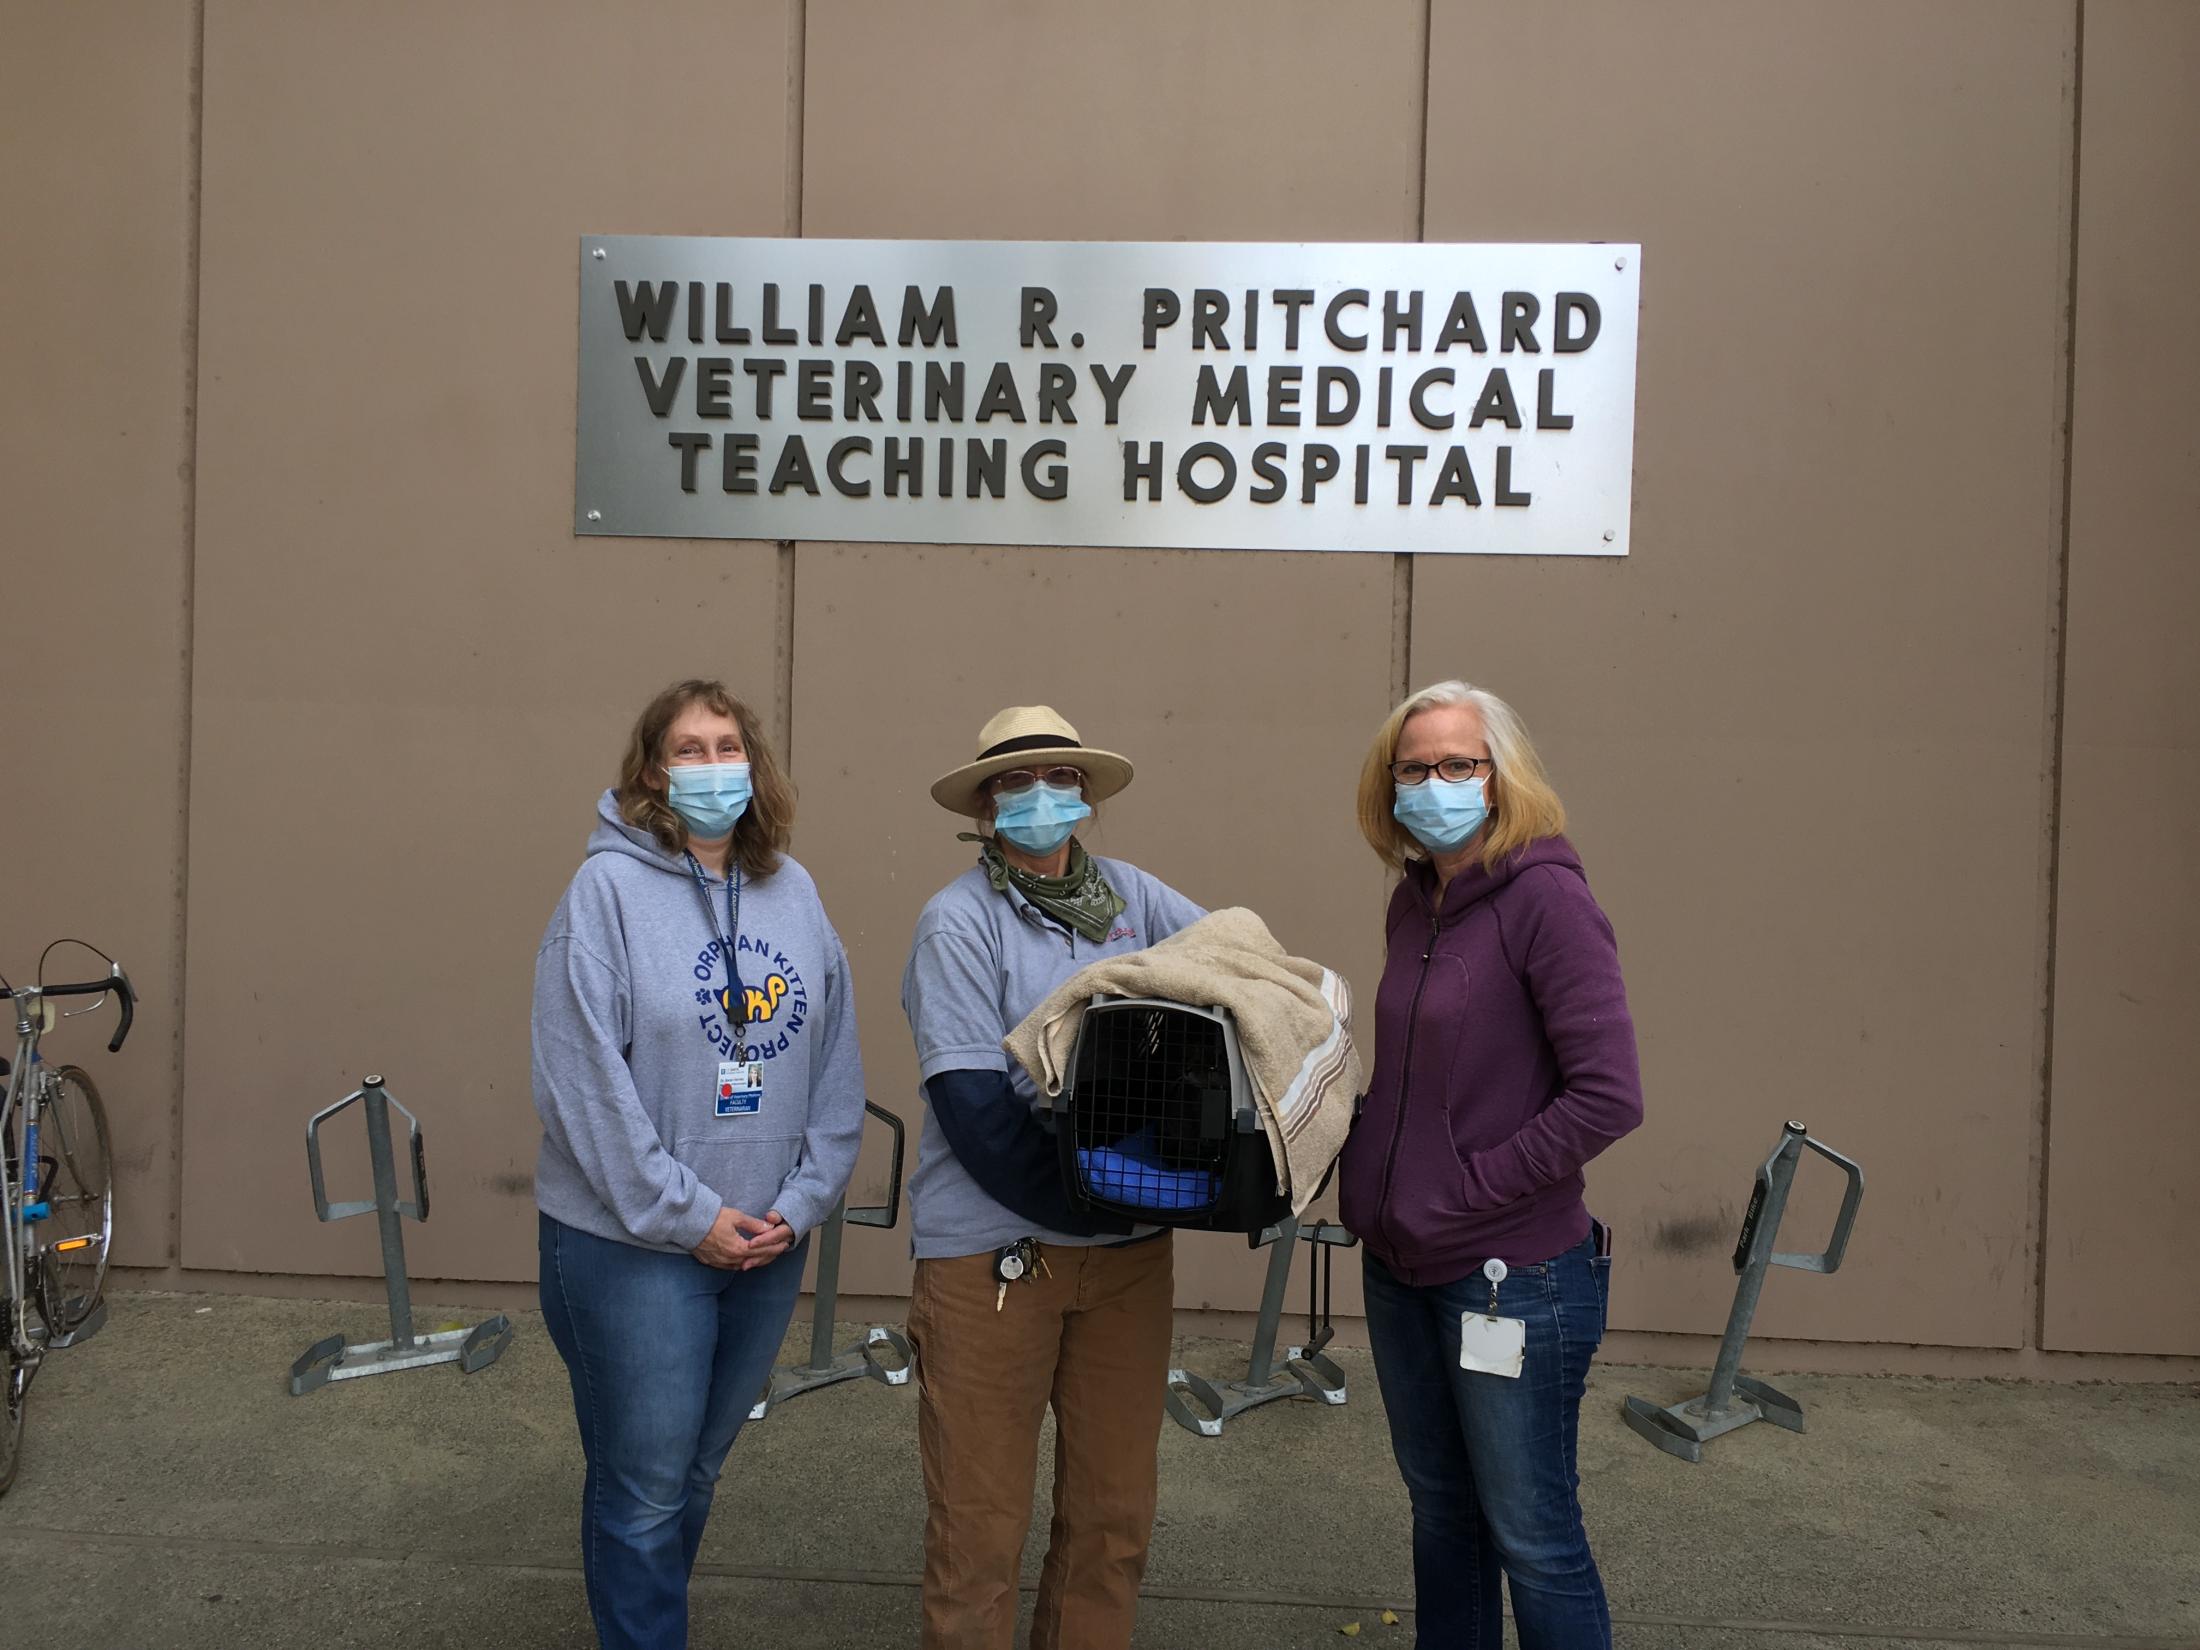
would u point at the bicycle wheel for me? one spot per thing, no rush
(76, 1182)
(13, 1393)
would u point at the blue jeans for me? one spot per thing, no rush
(666, 1357)
(1489, 1462)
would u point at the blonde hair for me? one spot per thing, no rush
(1523, 806)
(765, 827)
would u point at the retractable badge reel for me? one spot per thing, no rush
(1489, 1344)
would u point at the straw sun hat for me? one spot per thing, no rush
(1028, 736)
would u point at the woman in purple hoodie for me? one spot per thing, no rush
(1504, 1061)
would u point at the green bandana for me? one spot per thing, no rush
(1081, 898)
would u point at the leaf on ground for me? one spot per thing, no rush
(1390, 1618)
(1350, 1629)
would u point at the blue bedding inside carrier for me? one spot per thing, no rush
(1130, 1172)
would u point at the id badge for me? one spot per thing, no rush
(1492, 1346)
(1489, 1344)
(740, 1088)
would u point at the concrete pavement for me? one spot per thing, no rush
(173, 1494)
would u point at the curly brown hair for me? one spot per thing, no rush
(765, 828)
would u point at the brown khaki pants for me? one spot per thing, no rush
(1091, 1336)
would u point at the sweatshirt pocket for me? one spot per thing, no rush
(1428, 1192)
(745, 1172)
(1432, 1187)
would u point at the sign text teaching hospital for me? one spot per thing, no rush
(1431, 398)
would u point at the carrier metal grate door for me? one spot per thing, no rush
(1152, 1106)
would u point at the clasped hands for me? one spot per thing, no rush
(740, 1243)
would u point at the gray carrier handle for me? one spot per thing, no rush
(886, 1214)
(1772, 1183)
(417, 1152)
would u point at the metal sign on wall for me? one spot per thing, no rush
(1433, 398)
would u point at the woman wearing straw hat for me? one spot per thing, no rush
(1021, 1300)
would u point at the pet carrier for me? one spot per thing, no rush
(1157, 1122)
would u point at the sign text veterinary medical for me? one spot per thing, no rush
(1431, 398)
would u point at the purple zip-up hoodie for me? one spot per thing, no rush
(1504, 1061)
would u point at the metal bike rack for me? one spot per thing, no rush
(1306, 1371)
(867, 1357)
(330, 1359)
(1736, 1399)
(94, 1321)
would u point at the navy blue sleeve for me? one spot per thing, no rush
(1009, 1152)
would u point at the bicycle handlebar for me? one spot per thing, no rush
(117, 982)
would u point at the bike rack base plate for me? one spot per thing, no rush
(1683, 1429)
(94, 1321)
(331, 1360)
(1304, 1374)
(867, 1359)
(484, 1343)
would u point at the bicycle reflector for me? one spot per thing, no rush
(69, 1245)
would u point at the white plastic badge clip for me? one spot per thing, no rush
(1489, 1344)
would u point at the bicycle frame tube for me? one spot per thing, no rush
(15, 1114)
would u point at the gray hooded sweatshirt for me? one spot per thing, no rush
(631, 1027)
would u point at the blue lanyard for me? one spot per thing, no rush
(737, 994)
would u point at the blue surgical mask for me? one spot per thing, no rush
(1440, 813)
(710, 796)
(1039, 819)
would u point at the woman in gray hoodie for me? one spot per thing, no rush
(701, 1096)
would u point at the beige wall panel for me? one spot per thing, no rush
(1235, 681)
(413, 680)
(1140, 120)
(95, 179)
(2124, 1131)
(1801, 728)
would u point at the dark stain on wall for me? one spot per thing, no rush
(1694, 1234)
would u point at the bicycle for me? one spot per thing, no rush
(56, 1191)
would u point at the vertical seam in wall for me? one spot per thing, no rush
(188, 349)
(798, 24)
(2059, 626)
(785, 686)
(1420, 193)
(1401, 566)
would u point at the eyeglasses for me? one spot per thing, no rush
(1022, 779)
(1451, 769)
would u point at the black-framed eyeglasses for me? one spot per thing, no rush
(1452, 770)
(1022, 779)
